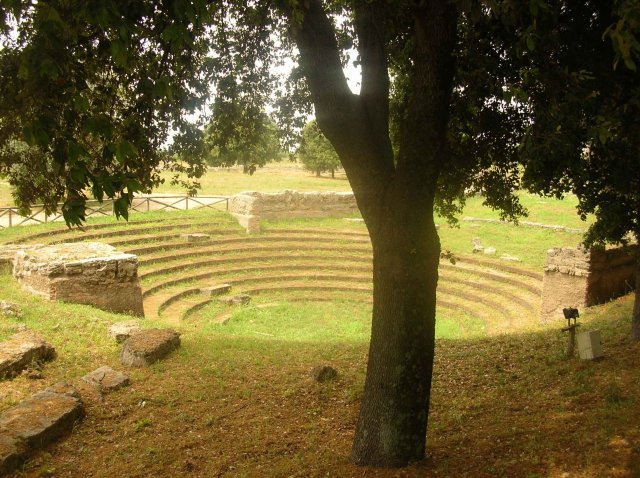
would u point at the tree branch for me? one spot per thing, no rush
(374, 92)
(427, 112)
(341, 115)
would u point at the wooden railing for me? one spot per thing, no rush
(9, 216)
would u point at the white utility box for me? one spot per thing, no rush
(589, 345)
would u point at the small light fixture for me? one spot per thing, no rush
(570, 313)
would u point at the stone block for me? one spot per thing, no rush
(84, 273)
(9, 310)
(148, 346)
(509, 258)
(215, 290)
(195, 237)
(35, 422)
(249, 207)
(579, 278)
(21, 350)
(240, 299)
(105, 379)
(121, 331)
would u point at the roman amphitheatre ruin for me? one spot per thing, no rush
(204, 267)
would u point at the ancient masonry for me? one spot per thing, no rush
(250, 207)
(83, 273)
(579, 278)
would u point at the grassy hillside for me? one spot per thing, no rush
(237, 398)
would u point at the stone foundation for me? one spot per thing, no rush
(579, 278)
(84, 273)
(250, 207)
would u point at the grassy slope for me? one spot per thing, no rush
(237, 400)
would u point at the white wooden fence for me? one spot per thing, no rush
(9, 216)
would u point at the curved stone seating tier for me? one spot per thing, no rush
(257, 262)
(306, 294)
(282, 250)
(468, 278)
(166, 247)
(509, 306)
(30, 238)
(293, 264)
(141, 231)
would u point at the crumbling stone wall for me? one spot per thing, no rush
(575, 277)
(83, 273)
(250, 207)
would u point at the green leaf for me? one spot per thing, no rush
(531, 44)
(80, 104)
(121, 206)
(119, 52)
(124, 151)
(162, 88)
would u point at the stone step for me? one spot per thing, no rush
(166, 246)
(35, 422)
(21, 350)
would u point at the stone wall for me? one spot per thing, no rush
(579, 278)
(83, 273)
(251, 207)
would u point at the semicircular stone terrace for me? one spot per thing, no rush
(292, 264)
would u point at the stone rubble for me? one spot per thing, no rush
(37, 421)
(195, 237)
(146, 347)
(21, 350)
(9, 309)
(121, 331)
(105, 379)
(215, 290)
(240, 299)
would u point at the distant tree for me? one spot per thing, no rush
(240, 134)
(316, 152)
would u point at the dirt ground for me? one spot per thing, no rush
(507, 406)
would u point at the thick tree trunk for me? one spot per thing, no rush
(395, 196)
(391, 430)
(635, 318)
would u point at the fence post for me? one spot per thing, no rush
(10, 222)
(186, 203)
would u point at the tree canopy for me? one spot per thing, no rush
(239, 136)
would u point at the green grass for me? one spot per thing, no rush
(283, 175)
(543, 210)
(273, 177)
(529, 244)
(339, 321)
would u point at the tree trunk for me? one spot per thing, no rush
(333, 173)
(317, 173)
(391, 429)
(395, 196)
(635, 318)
